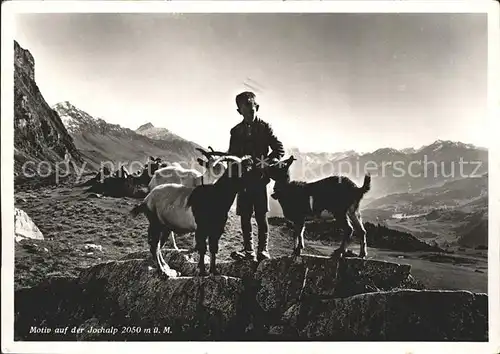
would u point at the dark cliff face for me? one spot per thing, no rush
(39, 134)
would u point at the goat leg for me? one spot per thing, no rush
(201, 264)
(165, 268)
(359, 229)
(201, 247)
(153, 240)
(345, 242)
(161, 260)
(301, 239)
(362, 246)
(174, 244)
(298, 234)
(347, 230)
(162, 264)
(295, 243)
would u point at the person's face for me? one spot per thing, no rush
(248, 110)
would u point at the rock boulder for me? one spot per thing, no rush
(25, 227)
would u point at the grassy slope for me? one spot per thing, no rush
(126, 149)
(71, 220)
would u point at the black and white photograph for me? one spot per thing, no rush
(179, 173)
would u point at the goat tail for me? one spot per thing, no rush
(366, 184)
(138, 209)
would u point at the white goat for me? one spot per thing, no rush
(202, 209)
(178, 175)
(175, 173)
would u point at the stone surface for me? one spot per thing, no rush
(129, 294)
(308, 298)
(406, 315)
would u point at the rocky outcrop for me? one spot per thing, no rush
(129, 294)
(39, 134)
(308, 298)
(25, 227)
(405, 315)
(24, 61)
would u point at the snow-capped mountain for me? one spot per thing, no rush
(393, 170)
(101, 141)
(78, 121)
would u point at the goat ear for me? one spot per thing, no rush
(290, 160)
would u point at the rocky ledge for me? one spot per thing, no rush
(308, 298)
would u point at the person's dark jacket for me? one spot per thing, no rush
(255, 140)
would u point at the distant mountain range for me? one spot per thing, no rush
(98, 140)
(422, 191)
(395, 171)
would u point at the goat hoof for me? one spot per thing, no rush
(171, 273)
(167, 273)
(162, 275)
(349, 253)
(202, 273)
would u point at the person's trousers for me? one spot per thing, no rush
(252, 200)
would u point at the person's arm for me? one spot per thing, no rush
(275, 144)
(233, 150)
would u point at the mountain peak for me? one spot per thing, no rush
(76, 120)
(440, 143)
(156, 133)
(386, 150)
(145, 127)
(64, 105)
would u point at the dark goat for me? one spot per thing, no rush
(143, 177)
(301, 200)
(210, 204)
(203, 209)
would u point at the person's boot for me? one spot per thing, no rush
(262, 251)
(247, 252)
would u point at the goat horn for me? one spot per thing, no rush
(204, 153)
(219, 153)
(227, 158)
(212, 152)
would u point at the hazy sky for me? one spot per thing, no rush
(327, 82)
